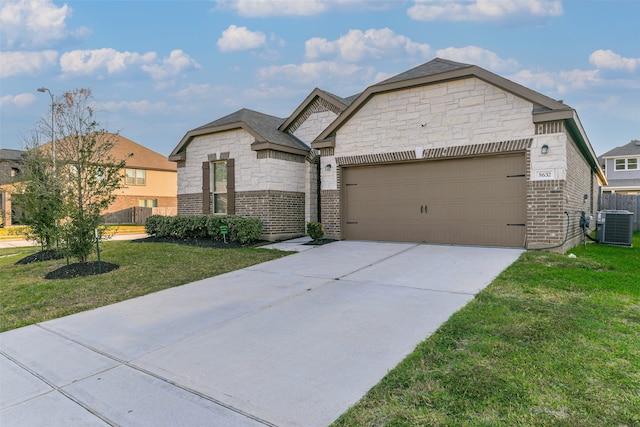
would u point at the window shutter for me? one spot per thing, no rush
(206, 189)
(231, 187)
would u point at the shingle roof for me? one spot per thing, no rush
(435, 66)
(262, 126)
(630, 149)
(8, 154)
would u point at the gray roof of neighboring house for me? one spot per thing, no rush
(8, 154)
(630, 149)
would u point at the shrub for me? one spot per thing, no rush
(315, 230)
(239, 229)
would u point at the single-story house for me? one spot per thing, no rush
(622, 168)
(444, 153)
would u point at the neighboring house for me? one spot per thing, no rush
(622, 169)
(11, 166)
(443, 153)
(150, 180)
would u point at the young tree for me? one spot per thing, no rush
(90, 174)
(40, 196)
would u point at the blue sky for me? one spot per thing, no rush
(158, 69)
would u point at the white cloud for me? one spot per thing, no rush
(136, 107)
(483, 10)
(176, 63)
(610, 60)
(561, 82)
(35, 23)
(315, 72)
(371, 44)
(240, 38)
(478, 56)
(100, 60)
(20, 100)
(264, 8)
(25, 63)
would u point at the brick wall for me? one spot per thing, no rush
(548, 200)
(282, 212)
(330, 211)
(545, 213)
(190, 204)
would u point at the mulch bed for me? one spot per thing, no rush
(46, 255)
(203, 243)
(319, 242)
(81, 269)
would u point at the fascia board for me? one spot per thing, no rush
(265, 145)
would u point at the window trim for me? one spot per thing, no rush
(218, 192)
(624, 165)
(136, 177)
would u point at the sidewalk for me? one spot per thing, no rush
(21, 242)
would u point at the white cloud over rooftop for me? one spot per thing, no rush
(236, 38)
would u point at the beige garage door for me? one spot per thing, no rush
(474, 201)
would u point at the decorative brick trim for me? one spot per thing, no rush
(213, 157)
(328, 151)
(438, 153)
(313, 156)
(279, 155)
(550, 127)
(318, 105)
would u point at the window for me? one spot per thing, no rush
(136, 177)
(627, 164)
(15, 171)
(219, 187)
(148, 203)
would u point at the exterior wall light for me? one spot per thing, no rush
(544, 149)
(327, 168)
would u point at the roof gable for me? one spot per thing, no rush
(436, 71)
(328, 100)
(263, 127)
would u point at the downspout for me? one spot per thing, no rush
(318, 192)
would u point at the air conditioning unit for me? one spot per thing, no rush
(614, 227)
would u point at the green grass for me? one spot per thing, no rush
(553, 341)
(27, 298)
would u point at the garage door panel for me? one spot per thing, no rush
(478, 201)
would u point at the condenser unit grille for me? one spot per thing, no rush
(617, 227)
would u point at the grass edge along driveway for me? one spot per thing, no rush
(553, 341)
(27, 298)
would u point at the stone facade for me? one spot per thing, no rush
(461, 119)
(269, 185)
(415, 116)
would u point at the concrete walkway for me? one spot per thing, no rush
(20, 242)
(290, 342)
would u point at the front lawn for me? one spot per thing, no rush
(26, 297)
(553, 341)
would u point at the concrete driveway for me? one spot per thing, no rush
(291, 342)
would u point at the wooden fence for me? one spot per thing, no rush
(625, 202)
(137, 215)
